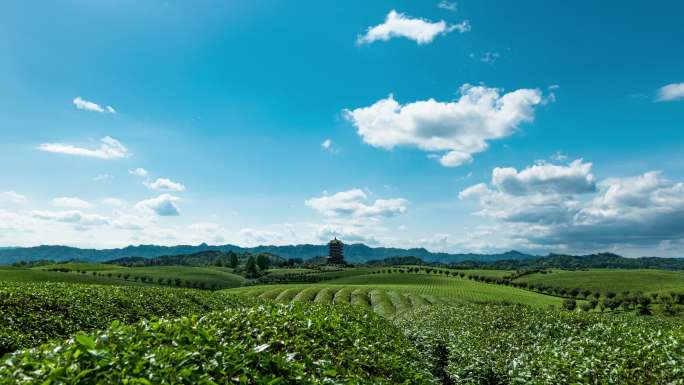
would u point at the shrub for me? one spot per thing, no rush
(32, 313)
(569, 304)
(320, 345)
(522, 345)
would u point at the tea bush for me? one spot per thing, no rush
(493, 344)
(32, 313)
(266, 344)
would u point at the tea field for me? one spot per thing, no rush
(367, 325)
(267, 344)
(32, 313)
(185, 276)
(472, 344)
(615, 280)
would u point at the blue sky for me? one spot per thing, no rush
(459, 126)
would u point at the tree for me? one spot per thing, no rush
(669, 307)
(611, 303)
(251, 269)
(643, 304)
(233, 259)
(263, 261)
(569, 304)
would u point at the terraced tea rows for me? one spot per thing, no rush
(449, 287)
(384, 302)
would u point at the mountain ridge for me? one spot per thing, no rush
(355, 253)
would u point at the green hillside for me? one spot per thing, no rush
(16, 274)
(183, 276)
(615, 280)
(432, 288)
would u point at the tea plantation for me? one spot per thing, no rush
(364, 325)
(32, 313)
(267, 344)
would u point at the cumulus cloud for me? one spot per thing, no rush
(351, 204)
(674, 91)
(459, 128)
(574, 178)
(12, 197)
(91, 106)
(109, 149)
(163, 205)
(71, 216)
(566, 208)
(71, 202)
(138, 172)
(164, 184)
(419, 30)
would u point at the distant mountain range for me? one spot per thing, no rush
(355, 253)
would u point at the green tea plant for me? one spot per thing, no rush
(266, 344)
(32, 313)
(494, 344)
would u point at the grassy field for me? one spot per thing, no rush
(615, 280)
(218, 277)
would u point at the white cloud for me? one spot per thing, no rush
(327, 145)
(674, 91)
(109, 149)
(71, 202)
(163, 205)
(419, 30)
(113, 202)
(164, 184)
(90, 106)
(12, 197)
(138, 172)
(564, 208)
(351, 204)
(575, 178)
(460, 128)
(72, 216)
(449, 6)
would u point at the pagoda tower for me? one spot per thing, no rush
(336, 252)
